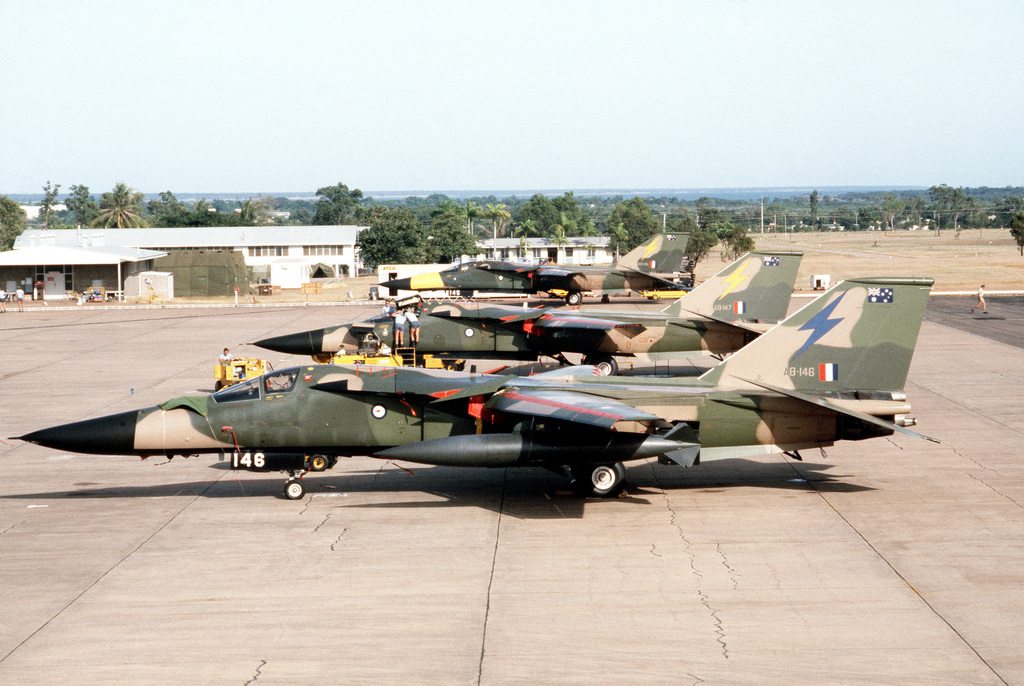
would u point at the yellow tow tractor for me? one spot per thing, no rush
(402, 357)
(674, 294)
(237, 371)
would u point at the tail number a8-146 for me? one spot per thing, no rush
(248, 460)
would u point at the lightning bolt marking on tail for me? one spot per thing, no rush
(819, 325)
(736, 278)
(652, 248)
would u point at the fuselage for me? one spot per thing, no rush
(338, 410)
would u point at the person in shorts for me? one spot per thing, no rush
(399, 328)
(981, 301)
(414, 326)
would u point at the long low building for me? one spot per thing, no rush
(287, 256)
(51, 271)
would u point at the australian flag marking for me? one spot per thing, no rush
(879, 295)
(771, 261)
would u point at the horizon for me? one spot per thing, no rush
(686, 194)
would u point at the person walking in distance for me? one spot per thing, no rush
(981, 301)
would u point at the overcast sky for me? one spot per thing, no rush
(254, 97)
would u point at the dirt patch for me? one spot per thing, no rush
(986, 256)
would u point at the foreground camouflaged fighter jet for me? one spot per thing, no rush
(649, 266)
(718, 317)
(833, 371)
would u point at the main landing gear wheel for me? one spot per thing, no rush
(601, 480)
(318, 463)
(294, 490)
(605, 364)
(574, 298)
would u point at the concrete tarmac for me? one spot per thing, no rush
(893, 560)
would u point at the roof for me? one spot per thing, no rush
(192, 237)
(57, 254)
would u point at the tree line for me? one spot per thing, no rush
(438, 228)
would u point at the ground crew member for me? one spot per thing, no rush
(225, 360)
(399, 328)
(414, 326)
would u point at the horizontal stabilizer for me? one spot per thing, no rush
(828, 405)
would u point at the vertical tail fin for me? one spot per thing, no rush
(661, 254)
(859, 336)
(756, 286)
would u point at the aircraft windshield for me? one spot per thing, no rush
(247, 390)
(280, 382)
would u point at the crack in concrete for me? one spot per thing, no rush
(696, 679)
(380, 471)
(996, 490)
(259, 671)
(490, 581)
(11, 527)
(968, 457)
(704, 597)
(894, 443)
(728, 567)
(338, 539)
(321, 524)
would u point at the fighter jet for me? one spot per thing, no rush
(833, 371)
(718, 317)
(648, 266)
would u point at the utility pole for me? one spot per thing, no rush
(762, 215)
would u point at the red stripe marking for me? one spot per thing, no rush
(444, 394)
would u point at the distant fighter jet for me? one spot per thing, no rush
(646, 267)
(718, 317)
(833, 371)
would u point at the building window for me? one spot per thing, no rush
(320, 250)
(266, 250)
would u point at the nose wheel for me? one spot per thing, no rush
(294, 489)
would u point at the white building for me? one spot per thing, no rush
(578, 250)
(295, 250)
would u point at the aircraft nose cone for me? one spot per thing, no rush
(396, 285)
(110, 435)
(305, 343)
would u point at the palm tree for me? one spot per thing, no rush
(254, 211)
(121, 208)
(498, 215)
(472, 211)
(618, 237)
(558, 236)
(527, 228)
